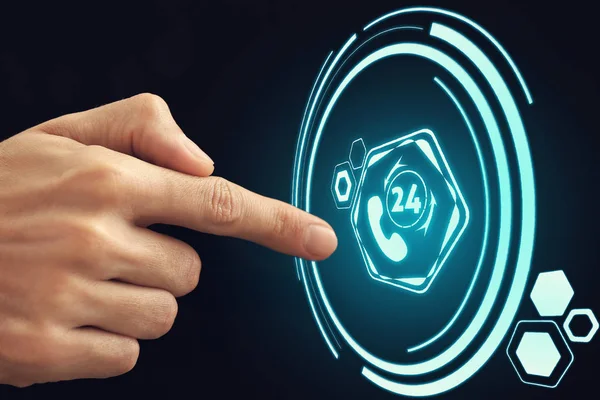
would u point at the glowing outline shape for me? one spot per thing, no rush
(486, 223)
(478, 27)
(364, 150)
(527, 233)
(417, 28)
(424, 206)
(346, 202)
(563, 339)
(527, 236)
(437, 266)
(539, 293)
(567, 325)
(533, 339)
(506, 211)
(338, 177)
(299, 146)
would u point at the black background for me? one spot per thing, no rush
(236, 76)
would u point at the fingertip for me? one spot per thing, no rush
(196, 151)
(320, 241)
(208, 169)
(200, 164)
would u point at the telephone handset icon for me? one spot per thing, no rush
(393, 247)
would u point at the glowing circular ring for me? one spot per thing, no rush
(423, 206)
(509, 310)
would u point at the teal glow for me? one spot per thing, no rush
(474, 25)
(527, 181)
(296, 178)
(538, 353)
(302, 140)
(505, 222)
(419, 284)
(525, 247)
(299, 145)
(358, 151)
(312, 307)
(532, 354)
(528, 223)
(592, 318)
(398, 28)
(393, 247)
(343, 172)
(346, 195)
(552, 293)
(486, 221)
(406, 204)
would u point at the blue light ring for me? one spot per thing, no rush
(298, 168)
(486, 221)
(369, 39)
(471, 23)
(529, 204)
(526, 240)
(321, 312)
(297, 156)
(455, 69)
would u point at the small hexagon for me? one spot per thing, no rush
(539, 353)
(343, 185)
(358, 151)
(590, 315)
(552, 293)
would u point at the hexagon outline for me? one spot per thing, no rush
(338, 177)
(351, 182)
(364, 157)
(540, 298)
(563, 339)
(567, 325)
(459, 197)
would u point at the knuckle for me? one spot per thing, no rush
(107, 182)
(150, 106)
(88, 242)
(87, 237)
(30, 349)
(164, 315)
(225, 202)
(191, 272)
(287, 222)
(61, 291)
(97, 179)
(127, 358)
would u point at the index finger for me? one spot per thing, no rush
(216, 206)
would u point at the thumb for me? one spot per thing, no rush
(141, 126)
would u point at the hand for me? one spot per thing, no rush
(81, 276)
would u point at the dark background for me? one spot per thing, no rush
(236, 76)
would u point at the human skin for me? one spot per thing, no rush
(82, 278)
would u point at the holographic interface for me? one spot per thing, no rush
(409, 212)
(413, 146)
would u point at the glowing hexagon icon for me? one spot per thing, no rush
(585, 313)
(409, 212)
(343, 185)
(552, 293)
(357, 154)
(539, 353)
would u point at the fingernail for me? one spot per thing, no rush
(320, 241)
(195, 150)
